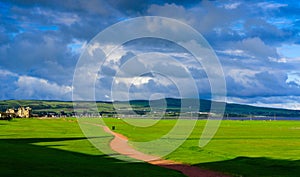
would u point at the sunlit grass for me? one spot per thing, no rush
(267, 147)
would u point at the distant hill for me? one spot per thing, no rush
(231, 110)
(142, 107)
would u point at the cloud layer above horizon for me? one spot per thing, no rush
(257, 42)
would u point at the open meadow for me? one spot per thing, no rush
(57, 147)
(246, 148)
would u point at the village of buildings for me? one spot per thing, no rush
(21, 112)
(26, 112)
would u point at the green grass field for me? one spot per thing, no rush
(57, 147)
(246, 148)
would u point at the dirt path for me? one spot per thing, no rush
(120, 145)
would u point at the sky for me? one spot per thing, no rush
(257, 43)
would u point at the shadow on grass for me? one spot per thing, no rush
(20, 157)
(256, 166)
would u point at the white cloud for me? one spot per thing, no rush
(168, 10)
(136, 81)
(32, 87)
(278, 60)
(204, 17)
(270, 5)
(63, 18)
(244, 77)
(91, 48)
(295, 105)
(257, 47)
(232, 5)
(293, 77)
(15, 86)
(5, 73)
(116, 52)
(286, 102)
(235, 52)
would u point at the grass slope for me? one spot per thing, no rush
(57, 147)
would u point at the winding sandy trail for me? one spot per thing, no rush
(120, 145)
